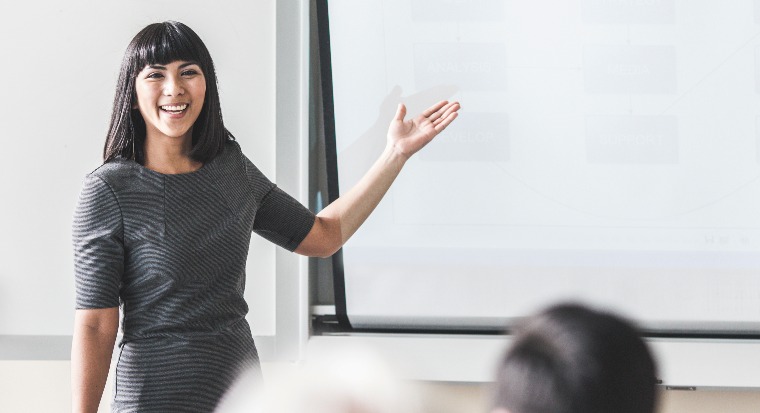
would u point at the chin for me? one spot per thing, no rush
(178, 135)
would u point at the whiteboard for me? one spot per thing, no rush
(606, 151)
(60, 65)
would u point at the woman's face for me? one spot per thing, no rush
(170, 98)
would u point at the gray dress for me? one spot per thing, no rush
(171, 251)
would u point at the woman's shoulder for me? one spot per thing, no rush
(230, 151)
(232, 147)
(114, 170)
(120, 174)
(236, 163)
(233, 155)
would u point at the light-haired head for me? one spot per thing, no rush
(347, 379)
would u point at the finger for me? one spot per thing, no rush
(444, 112)
(400, 112)
(446, 121)
(434, 108)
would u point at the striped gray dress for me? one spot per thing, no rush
(171, 251)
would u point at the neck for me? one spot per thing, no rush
(169, 156)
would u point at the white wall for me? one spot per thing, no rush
(61, 64)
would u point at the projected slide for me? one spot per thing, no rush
(606, 151)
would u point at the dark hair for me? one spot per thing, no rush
(572, 359)
(163, 43)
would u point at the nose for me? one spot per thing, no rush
(173, 86)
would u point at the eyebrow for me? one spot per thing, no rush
(180, 66)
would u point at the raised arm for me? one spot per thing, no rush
(91, 350)
(337, 222)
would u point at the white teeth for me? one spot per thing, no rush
(174, 108)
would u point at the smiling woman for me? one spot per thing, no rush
(162, 230)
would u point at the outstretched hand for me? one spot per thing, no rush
(337, 222)
(406, 137)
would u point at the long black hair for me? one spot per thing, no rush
(163, 43)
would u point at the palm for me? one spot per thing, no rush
(410, 135)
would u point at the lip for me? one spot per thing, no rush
(174, 115)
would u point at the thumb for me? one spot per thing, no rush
(400, 112)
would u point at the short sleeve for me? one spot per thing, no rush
(98, 240)
(280, 218)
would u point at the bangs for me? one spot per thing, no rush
(163, 43)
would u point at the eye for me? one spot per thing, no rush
(190, 72)
(154, 75)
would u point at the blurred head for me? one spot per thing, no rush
(572, 359)
(339, 380)
(159, 45)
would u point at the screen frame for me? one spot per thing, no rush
(338, 271)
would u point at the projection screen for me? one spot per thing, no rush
(606, 152)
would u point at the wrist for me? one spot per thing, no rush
(393, 156)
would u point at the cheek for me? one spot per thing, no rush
(141, 98)
(201, 93)
(143, 106)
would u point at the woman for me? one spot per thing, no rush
(162, 229)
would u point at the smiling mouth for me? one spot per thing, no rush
(174, 109)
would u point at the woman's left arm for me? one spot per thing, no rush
(337, 222)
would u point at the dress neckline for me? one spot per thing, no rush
(200, 171)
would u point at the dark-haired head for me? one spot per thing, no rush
(163, 43)
(573, 359)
